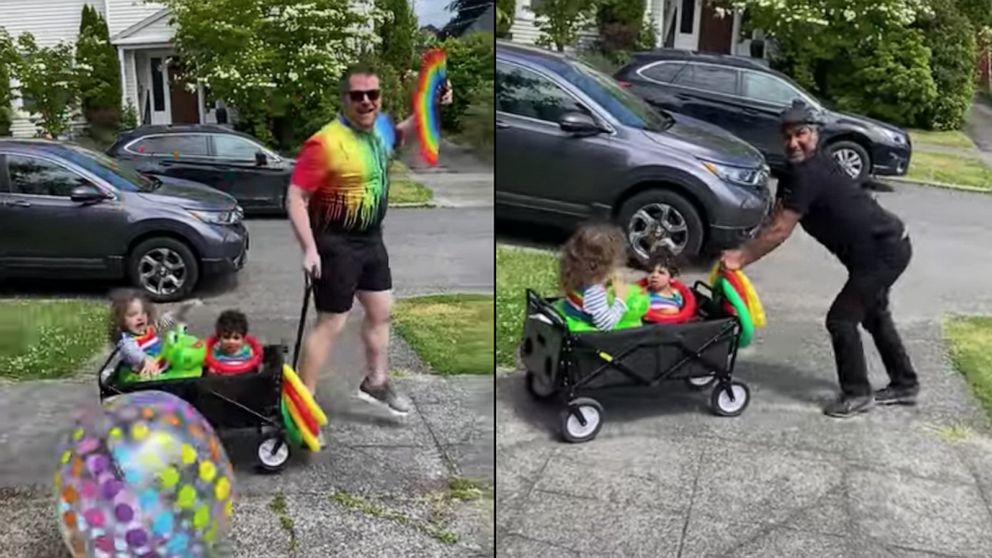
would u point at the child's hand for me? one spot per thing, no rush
(150, 368)
(619, 286)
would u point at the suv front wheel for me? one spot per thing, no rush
(164, 268)
(661, 218)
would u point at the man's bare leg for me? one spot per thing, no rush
(375, 336)
(318, 345)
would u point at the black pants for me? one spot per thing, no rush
(865, 300)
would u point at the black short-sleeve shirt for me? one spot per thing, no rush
(836, 211)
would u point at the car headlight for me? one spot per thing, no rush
(897, 138)
(744, 176)
(232, 217)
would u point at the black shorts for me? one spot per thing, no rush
(349, 263)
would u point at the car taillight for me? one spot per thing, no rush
(624, 84)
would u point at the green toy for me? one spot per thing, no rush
(638, 304)
(184, 353)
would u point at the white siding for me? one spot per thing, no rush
(51, 22)
(122, 14)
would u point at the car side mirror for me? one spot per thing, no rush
(579, 123)
(87, 194)
(260, 159)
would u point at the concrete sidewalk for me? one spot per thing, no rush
(381, 488)
(665, 478)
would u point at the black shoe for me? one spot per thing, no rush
(895, 395)
(847, 406)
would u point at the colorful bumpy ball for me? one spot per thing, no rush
(143, 476)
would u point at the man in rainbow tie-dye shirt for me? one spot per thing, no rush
(336, 201)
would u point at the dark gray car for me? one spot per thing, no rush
(67, 212)
(571, 144)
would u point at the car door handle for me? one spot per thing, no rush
(19, 203)
(500, 125)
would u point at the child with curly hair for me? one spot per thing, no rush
(589, 268)
(135, 330)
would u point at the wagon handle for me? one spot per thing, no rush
(536, 303)
(99, 374)
(309, 287)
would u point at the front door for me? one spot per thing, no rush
(185, 103)
(687, 19)
(53, 232)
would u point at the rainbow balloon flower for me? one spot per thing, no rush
(431, 81)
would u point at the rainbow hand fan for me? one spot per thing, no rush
(432, 79)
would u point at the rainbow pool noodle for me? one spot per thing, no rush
(432, 79)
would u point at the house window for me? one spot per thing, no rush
(687, 16)
(158, 85)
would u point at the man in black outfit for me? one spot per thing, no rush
(873, 245)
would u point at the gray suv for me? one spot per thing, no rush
(571, 144)
(70, 213)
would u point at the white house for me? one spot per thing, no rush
(682, 24)
(143, 37)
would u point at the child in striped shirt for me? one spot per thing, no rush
(589, 270)
(136, 331)
(665, 298)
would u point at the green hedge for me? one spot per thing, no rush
(954, 52)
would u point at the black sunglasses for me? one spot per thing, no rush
(359, 96)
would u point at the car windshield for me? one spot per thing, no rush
(120, 176)
(624, 106)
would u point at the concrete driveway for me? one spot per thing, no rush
(665, 478)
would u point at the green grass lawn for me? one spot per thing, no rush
(953, 138)
(452, 333)
(43, 339)
(404, 190)
(950, 169)
(516, 271)
(970, 344)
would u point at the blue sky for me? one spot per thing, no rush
(432, 12)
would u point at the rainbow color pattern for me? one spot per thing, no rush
(348, 173)
(432, 79)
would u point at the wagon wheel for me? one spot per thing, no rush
(273, 453)
(730, 400)
(699, 383)
(581, 420)
(539, 387)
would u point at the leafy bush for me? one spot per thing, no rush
(479, 126)
(619, 23)
(129, 117)
(951, 39)
(277, 61)
(561, 20)
(505, 10)
(7, 54)
(471, 60)
(48, 79)
(397, 31)
(99, 73)
(886, 77)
